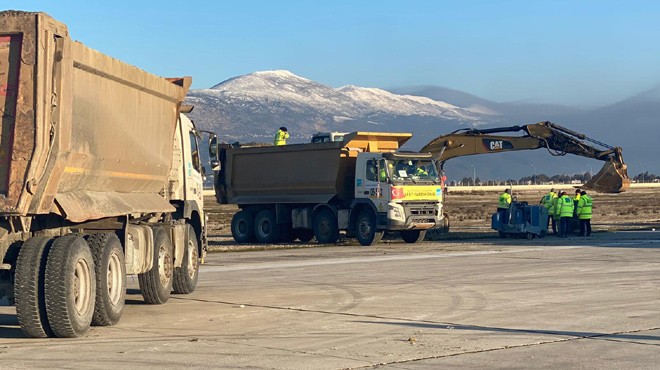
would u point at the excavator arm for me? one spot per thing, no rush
(558, 140)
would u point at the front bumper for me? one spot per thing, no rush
(418, 215)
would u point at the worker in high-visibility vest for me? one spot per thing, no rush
(576, 199)
(504, 203)
(556, 213)
(548, 201)
(281, 136)
(584, 213)
(566, 214)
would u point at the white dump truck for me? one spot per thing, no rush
(361, 184)
(100, 177)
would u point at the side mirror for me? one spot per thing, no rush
(213, 146)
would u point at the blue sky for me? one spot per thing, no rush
(573, 52)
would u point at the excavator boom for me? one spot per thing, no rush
(558, 140)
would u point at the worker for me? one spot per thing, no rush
(576, 199)
(584, 213)
(548, 201)
(556, 213)
(281, 136)
(420, 170)
(504, 203)
(566, 214)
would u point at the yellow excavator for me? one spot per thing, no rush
(558, 140)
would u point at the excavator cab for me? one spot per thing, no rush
(558, 140)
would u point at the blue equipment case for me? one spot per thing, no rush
(521, 219)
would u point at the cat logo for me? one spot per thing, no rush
(496, 145)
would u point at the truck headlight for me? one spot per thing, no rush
(395, 212)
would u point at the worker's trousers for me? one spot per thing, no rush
(565, 227)
(585, 227)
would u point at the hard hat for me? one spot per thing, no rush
(283, 128)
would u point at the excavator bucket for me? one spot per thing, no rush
(612, 178)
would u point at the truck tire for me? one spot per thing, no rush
(266, 228)
(413, 236)
(70, 286)
(366, 229)
(242, 226)
(325, 226)
(186, 276)
(156, 284)
(29, 287)
(110, 278)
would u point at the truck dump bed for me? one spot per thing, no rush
(83, 135)
(298, 173)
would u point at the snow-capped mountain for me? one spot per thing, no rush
(252, 107)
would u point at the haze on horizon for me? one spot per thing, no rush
(585, 53)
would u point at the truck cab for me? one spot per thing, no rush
(404, 191)
(328, 137)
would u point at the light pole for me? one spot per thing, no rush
(534, 178)
(474, 175)
(643, 172)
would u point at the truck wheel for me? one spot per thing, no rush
(156, 284)
(266, 228)
(325, 226)
(29, 287)
(366, 229)
(413, 236)
(185, 277)
(70, 286)
(304, 235)
(110, 278)
(242, 226)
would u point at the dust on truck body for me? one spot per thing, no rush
(99, 178)
(361, 185)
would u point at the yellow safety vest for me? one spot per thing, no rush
(548, 200)
(280, 137)
(584, 207)
(556, 208)
(567, 206)
(505, 200)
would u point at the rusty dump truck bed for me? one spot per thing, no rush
(83, 135)
(299, 173)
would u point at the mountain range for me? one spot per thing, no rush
(250, 108)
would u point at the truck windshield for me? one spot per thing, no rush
(413, 170)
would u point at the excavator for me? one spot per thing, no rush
(558, 140)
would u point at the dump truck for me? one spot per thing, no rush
(362, 185)
(100, 177)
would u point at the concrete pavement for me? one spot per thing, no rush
(545, 303)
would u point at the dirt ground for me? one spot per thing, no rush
(470, 214)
